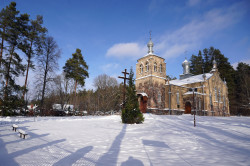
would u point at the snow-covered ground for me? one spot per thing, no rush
(105, 141)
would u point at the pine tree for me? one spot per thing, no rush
(242, 80)
(31, 44)
(12, 63)
(207, 61)
(77, 69)
(131, 113)
(196, 64)
(7, 19)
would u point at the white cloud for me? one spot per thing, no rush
(126, 50)
(189, 37)
(244, 61)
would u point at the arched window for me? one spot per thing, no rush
(199, 104)
(210, 99)
(178, 98)
(159, 97)
(141, 68)
(219, 98)
(224, 102)
(160, 68)
(155, 67)
(215, 94)
(147, 67)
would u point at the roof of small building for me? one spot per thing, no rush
(143, 94)
(190, 80)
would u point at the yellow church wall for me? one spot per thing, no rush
(201, 102)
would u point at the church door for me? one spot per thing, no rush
(187, 108)
(143, 104)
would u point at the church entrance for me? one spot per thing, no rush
(143, 103)
(187, 108)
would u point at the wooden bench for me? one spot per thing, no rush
(22, 133)
(14, 126)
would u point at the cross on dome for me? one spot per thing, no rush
(150, 44)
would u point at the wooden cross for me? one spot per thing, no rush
(124, 87)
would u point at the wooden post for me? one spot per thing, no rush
(124, 87)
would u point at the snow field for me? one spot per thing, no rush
(160, 140)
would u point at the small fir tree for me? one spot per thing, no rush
(131, 113)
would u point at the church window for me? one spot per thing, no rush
(219, 96)
(147, 67)
(224, 102)
(178, 98)
(215, 94)
(210, 98)
(155, 67)
(159, 97)
(141, 68)
(160, 68)
(199, 104)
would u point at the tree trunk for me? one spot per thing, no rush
(8, 71)
(27, 73)
(75, 94)
(44, 81)
(1, 53)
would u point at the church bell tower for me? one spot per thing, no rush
(151, 77)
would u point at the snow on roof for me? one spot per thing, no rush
(143, 94)
(190, 93)
(190, 80)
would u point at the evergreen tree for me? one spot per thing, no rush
(131, 113)
(77, 69)
(7, 19)
(31, 44)
(242, 80)
(196, 64)
(12, 66)
(207, 60)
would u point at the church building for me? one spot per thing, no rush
(204, 94)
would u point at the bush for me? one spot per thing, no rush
(132, 116)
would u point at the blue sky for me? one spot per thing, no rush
(113, 34)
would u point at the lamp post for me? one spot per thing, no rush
(193, 90)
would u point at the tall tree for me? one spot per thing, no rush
(77, 69)
(196, 64)
(131, 113)
(62, 87)
(12, 66)
(47, 64)
(107, 92)
(12, 62)
(31, 44)
(242, 80)
(7, 19)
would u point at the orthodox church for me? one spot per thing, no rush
(204, 94)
